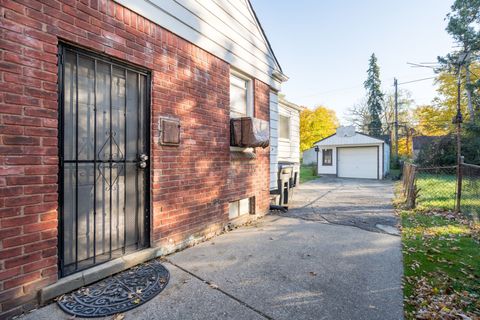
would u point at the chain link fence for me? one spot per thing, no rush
(435, 188)
(470, 200)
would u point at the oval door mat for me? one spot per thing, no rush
(119, 293)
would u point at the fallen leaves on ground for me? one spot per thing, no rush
(213, 285)
(432, 303)
(442, 280)
(118, 316)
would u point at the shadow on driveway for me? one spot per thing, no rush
(289, 268)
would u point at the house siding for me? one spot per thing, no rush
(309, 157)
(327, 169)
(226, 28)
(273, 140)
(191, 185)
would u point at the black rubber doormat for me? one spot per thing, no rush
(119, 293)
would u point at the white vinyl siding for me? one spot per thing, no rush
(326, 169)
(225, 28)
(273, 140)
(386, 159)
(309, 157)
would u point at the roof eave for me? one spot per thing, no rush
(279, 76)
(290, 104)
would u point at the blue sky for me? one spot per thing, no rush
(324, 46)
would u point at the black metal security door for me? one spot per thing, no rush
(104, 159)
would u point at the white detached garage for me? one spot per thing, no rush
(350, 154)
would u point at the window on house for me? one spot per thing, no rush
(327, 157)
(240, 96)
(284, 123)
(240, 207)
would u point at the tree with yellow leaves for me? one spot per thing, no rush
(433, 120)
(436, 119)
(315, 125)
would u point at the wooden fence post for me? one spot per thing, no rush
(405, 177)
(411, 187)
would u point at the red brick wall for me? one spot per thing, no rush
(191, 184)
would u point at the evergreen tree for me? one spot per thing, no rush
(463, 24)
(374, 97)
(464, 27)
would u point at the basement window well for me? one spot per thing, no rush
(240, 207)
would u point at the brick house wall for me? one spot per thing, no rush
(191, 185)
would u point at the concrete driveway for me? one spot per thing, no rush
(362, 203)
(325, 260)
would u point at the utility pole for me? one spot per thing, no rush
(408, 138)
(395, 83)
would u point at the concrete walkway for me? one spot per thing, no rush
(314, 264)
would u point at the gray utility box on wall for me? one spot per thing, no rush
(169, 132)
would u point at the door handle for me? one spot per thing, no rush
(143, 161)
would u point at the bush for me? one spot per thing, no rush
(443, 151)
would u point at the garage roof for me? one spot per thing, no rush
(343, 137)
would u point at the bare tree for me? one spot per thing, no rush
(359, 116)
(405, 103)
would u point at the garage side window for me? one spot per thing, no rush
(327, 157)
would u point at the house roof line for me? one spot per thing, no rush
(363, 134)
(290, 104)
(324, 138)
(266, 38)
(366, 135)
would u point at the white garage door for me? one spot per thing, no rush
(361, 162)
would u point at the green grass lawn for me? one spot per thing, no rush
(470, 204)
(307, 173)
(441, 254)
(437, 191)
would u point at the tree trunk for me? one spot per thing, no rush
(469, 94)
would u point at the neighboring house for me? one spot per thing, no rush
(115, 135)
(285, 140)
(418, 142)
(309, 157)
(350, 154)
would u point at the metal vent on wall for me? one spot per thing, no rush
(169, 132)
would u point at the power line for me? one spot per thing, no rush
(417, 65)
(340, 89)
(417, 80)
